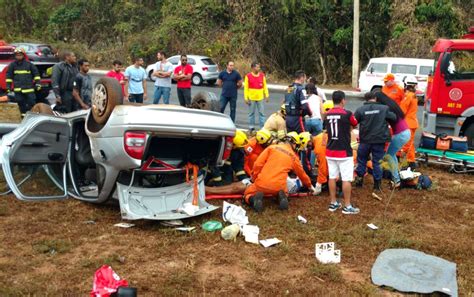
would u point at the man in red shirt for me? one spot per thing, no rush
(183, 74)
(117, 73)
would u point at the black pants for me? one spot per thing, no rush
(67, 101)
(137, 98)
(25, 100)
(184, 96)
(294, 123)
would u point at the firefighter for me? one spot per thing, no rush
(319, 146)
(392, 89)
(255, 146)
(234, 165)
(25, 78)
(271, 170)
(409, 106)
(276, 123)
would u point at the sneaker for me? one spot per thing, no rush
(317, 189)
(359, 181)
(350, 210)
(394, 185)
(257, 202)
(334, 206)
(282, 200)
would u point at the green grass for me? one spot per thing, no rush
(327, 272)
(52, 246)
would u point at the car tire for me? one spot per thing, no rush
(469, 133)
(196, 79)
(211, 82)
(106, 95)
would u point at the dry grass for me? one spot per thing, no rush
(48, 249)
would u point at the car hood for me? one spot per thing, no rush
(166, 120)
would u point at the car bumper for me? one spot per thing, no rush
(210, 75)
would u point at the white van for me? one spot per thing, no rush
(371, 78)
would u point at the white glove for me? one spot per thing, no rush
(316, 190)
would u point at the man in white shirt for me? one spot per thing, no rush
(162, 75)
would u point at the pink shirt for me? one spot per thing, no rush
(118, 76)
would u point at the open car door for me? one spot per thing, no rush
(34, 151)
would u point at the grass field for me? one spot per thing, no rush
(50, 248)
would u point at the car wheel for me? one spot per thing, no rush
(211, 82)
(107, 94)
(196, 79)
(469, 133)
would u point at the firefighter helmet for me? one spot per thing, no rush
(240, 139)
(305, 138)
(410, 80)
(294, 137)
(20, 50)
(283, 109)
(328, 105)
(263, 136)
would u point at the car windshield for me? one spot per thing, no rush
(378, 68)
(208, 61)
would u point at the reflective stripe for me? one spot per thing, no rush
(241, 172)
(9, 80)
(217, 179)
(228, 163)
(28, 90)
(36, 78)
(22, 72)
(17, 89)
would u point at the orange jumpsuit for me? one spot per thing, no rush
(409, 106)
(395, 93)
(252, 150)
(271, 169)
(319, 144)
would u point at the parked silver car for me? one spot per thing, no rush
(138, 155)
(204, 69)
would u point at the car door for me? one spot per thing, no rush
(33, 154)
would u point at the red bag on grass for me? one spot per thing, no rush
(106, 282)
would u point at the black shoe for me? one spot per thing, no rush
(377, 185)
(359, 181)
(282, 200)
(257, 202)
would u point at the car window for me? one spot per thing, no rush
(45, 50)
(25, 47)
(378, 68)
(174, 60)
(425, 70)
(191, 61)
(461, 66)
(208, 61)
(405, 69)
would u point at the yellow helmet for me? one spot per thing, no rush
(294, 137)
(328, 105)
(263, 136)
(20, 50)
(305, 138)
(283, 109)
(240, 139)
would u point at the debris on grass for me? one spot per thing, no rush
(326, 254)
(372, 226)
(185, 229)
(212, 226)
(270, 242)
(124, 225)
(251, 232)
(302, 219)
(376, 196)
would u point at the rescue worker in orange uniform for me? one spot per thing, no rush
(392, 89)
(255, 146)
(271, 170)
(319, 144)
(409, 106)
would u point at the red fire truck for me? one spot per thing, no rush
(449, 104)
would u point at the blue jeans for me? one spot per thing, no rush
(137, 98)
(161, 91)
(233, 105)
(313, 126)
(363, 152)
(398, 141)
(256, 105)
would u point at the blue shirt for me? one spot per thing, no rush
(135, 77)
(229, 83)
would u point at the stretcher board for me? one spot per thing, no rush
(239, 196)
(458, 162)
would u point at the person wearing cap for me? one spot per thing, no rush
(392, 89)
(276, 123)
(25, 78)
(270, 173)
(409, 106)
(255, 146)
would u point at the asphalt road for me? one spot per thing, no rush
(276, 98)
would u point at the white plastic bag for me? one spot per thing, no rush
(234, 214)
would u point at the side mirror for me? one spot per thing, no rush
(371, 69)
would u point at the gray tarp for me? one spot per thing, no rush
(407, 270)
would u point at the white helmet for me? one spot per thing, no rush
(410, 80)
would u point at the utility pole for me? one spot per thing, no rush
(355, 46)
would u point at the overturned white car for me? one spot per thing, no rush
(149, 157)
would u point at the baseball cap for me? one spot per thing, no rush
(388, 77)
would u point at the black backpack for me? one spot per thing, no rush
(292, 104)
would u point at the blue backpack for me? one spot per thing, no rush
(424, 182)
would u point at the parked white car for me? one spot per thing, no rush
(371, 77)
(204, 69)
